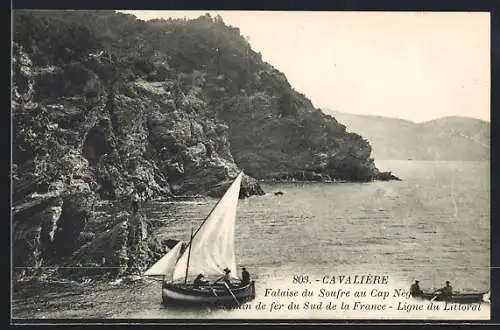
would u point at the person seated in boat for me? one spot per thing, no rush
(245, 276)
(198, 281)
(415, 289)
(225, 277)
(445, 292)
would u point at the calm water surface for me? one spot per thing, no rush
(432, 226)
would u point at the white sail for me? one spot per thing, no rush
(212, 246)
(165, 265)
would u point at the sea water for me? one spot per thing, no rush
(432, 226)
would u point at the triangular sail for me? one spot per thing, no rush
(212, 246)
(165, 265)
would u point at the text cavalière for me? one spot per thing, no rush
(356, 279)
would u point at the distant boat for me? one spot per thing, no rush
(209, 252)
(461, 298)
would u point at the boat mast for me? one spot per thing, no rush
(189, 255)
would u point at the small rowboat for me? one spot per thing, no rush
(461, 298)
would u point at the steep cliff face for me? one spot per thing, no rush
(105, 105)
(79, 139)
(301, 145)
(274, 130)
(63, 162)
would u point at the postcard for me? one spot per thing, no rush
(250, 165)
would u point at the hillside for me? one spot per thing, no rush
(447, 138)
(105, 106)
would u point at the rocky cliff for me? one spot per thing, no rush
(106, 106)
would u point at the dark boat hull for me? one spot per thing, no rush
(174, 294)
(461, 298)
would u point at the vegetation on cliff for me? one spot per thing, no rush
(105, 105)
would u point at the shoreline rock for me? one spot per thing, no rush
(387, 176)
(249, 187)
(320, 177)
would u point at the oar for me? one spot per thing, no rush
(231, 292)
(213, 290)
(436, 295)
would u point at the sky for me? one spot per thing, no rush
(412, 65)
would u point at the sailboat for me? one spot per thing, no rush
(209, 252)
